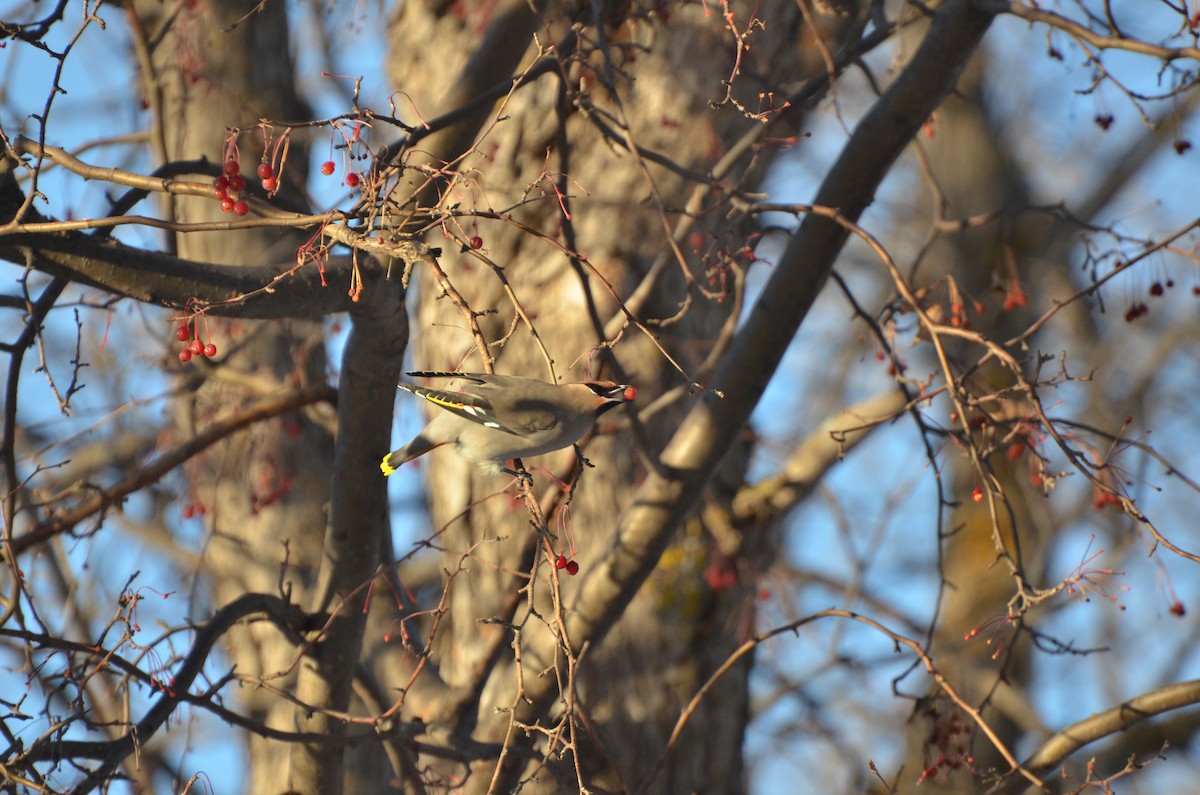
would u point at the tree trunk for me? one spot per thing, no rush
(542, 160)
(265, 490)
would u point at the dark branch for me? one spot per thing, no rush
(252, 291)
(319, 287)
(165, 463)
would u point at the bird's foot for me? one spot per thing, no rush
(524, 479)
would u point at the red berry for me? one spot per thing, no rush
(561, 563)
(237, 183)
(210, 350)
(220, 183)
(220, 194)
(1156, 289)
(269, 184)
(241, 208)
(327, 167)
(188, 511)
(232, 167)
(265, 171)
(572, 567)
(197, 347)
(227, 204)
(977, 494)
(352, 179)
(182, 333)
(477, 242)
(185, 356)
(1014, 299)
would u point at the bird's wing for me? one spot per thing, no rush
(526, 417)
(478, 378)
(529, 415)
(469, 407)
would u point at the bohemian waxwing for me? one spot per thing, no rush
(494, 418)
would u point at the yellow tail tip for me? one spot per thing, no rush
(385, 467)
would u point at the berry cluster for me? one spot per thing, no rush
(1106, 499)
(947, 744)
(958, 313)
(272, 493)
(192, 344)
(1158, 288)
(228, 188)
(1137, 310)
(1015, 298)
(571, 566)
(192, 509)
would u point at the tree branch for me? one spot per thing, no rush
(234, 421)
(295, 289)
(1103, 41)
(1102, 724)
(112, 752)
(713, 423)
(819, 451)
(355, 537)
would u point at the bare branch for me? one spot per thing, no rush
(218, 430)
(1102, 724)
(710, 428)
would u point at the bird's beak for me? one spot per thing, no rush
(618, 393)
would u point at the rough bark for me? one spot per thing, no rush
(205, 72)
(619, 218)
(661, 645)
(354, 544)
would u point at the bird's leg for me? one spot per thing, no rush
(583, 462)
(521, 474)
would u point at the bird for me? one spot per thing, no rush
(492, 419)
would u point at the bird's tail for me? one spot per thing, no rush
(398, 458)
